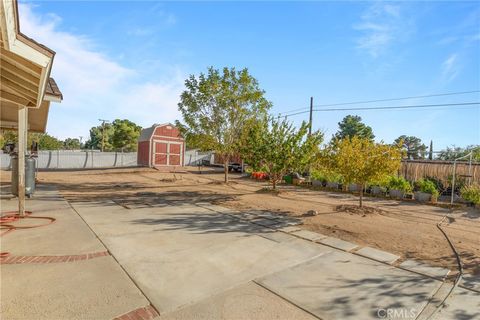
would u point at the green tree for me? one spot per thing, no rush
(7, 136)
(413, 147)
(352, 126)
(193, 140)
(430, 151)
(125, 135)
(277, 148)
(453, 152)
(218, 104)
(46, 141)
(359, 160)
(71, 144)
(96, 134)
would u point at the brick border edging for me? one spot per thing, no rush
(51, 259)
(143, 313)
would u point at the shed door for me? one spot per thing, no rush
(167, 153)
(161, 154)
(175, 153)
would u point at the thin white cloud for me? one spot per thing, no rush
(381, 25)
(94, 85)
(450, 67)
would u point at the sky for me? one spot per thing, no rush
(129, 60)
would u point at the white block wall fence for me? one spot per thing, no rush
(87, 159)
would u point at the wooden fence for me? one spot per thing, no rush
(416, 169)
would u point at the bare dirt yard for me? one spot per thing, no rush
(408, 229)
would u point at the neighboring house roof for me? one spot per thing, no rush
(52, 89)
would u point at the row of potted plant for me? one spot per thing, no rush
(396, 187)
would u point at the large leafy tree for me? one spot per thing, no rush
(352, 126)
(125, 135)
(277, 147)
(359, 160)
(413, 147)
(96, 138)
(71, 144)
(195, 140)
(215, 106)
(46, 141)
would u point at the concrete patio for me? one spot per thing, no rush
(201, 261)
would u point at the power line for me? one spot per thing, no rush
(384, 100)
(388, 108)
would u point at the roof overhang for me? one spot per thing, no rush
(25, 67)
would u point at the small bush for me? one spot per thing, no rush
(471, 193)
(438, 183)
(319, 175)
(426, 186)
(384, 182)
(399, 183)
(326, 176)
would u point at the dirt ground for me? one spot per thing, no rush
(406, 228)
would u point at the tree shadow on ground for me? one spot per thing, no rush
(166, 198)
(207, 217)
(215, 222)
(405, 294)
(471, 213)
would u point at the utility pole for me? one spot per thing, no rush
(311, 114)
(103, 132)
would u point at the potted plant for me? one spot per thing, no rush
(426, 190)
(471, 194)
(378, 188)
(398, 186)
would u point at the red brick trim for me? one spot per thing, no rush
(144, 313)
(51, 259)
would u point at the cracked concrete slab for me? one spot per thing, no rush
(247, 301)
(339, 285)
(378, 255)
(193, 253)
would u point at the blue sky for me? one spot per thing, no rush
(129, 59)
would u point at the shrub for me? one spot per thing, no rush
(334, 177)
(326, 176)
(319, 175)
(427, 186)
(384, 182)
(399, 183)
(471, 193)
(438, 183)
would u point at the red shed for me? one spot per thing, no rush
(161, 145)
